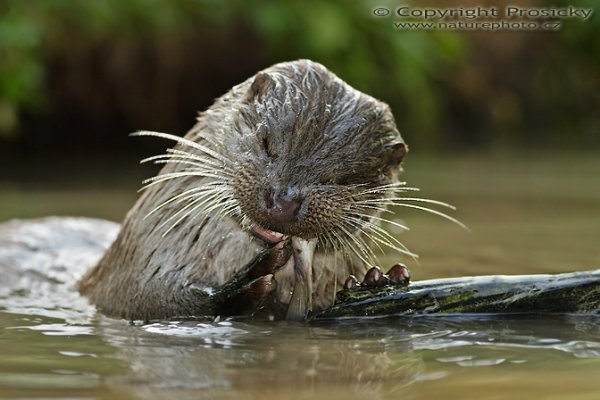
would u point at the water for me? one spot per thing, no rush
(526, 216)
(459, 357)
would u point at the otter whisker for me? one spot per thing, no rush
(366, 220)
(324, 242)
(180, 154)
(338, 243)
(345, 227)
(345, 245)
(336, 278)
(362, 227)
(188, 194)
(319, 227)
(211, 140)
(209, 199)
(330, 242)
(182, 210)
(337, 246)
(195, 167)
(388, 188)
(371, 207)
(174, 175)
(166, 159)
(384, 237)
(202, 199)
(245, 221)
(435, 212)
(389, 221)
(389, 237)
(184, 216)
(202, 172)
(183, 153)
(185, 142)
(228, 212)
(394, 201)
(362, 250)
(215, 187)
(219, 204)
(198, 157)
(390, 185)
(234, 211)
(409, 253)
(373, 259)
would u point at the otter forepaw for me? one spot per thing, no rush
(247, 299)
(269, 260)
(247, 291)
(398, 275)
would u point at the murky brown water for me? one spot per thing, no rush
(527, 215)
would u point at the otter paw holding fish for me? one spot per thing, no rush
(247, 292)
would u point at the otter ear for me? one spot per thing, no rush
(260, 85)
(395, 154)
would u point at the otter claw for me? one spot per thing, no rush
(374, 277)
(351, 282)
(398, 275)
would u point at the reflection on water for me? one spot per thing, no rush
(350, 359)
(231, 358)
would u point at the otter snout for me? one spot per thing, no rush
(282, 207)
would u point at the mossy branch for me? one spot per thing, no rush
(577, 292)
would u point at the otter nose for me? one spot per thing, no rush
(282, 207)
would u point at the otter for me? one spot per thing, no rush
(292, 152)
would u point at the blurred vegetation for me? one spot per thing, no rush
(82, 74)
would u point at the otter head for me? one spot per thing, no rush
(310, 152)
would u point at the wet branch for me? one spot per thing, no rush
(577, 292)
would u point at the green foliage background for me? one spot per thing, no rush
(447, 89)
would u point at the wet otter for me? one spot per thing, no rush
(293, 150)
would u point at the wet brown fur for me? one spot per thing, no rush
(294, 127)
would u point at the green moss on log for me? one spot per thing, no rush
(577, 292)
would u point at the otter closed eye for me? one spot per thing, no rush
(293, 151)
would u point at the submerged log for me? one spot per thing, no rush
(577, 292)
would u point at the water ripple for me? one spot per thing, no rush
(220, 333)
